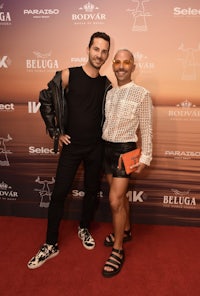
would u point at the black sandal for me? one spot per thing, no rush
(116, 260)
(109, 240)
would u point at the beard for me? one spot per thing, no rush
(96, 63)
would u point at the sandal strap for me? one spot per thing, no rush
(118, 263)
(110, 238)
(121, 252)
(114, 268)
(117, 260)
(114, 264)
(127, 232)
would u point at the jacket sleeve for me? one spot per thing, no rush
(47, 110)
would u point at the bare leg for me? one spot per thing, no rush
(117, 198)
(117, 195)
(127, 207)
(126, 204)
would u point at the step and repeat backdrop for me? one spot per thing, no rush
(38, 38)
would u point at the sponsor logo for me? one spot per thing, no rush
(89, 14)
(179, 199)
(189, 62)
(134, 196)
(7, 193)
(40, 150)
(79, 60)
(185, 111)
(186, 12)
(5, 62)
(33, 107)
(176, 154)
(41, 13)
(44, 191)
(143, 63)
(79, 194)
(139, 15)
(4, 152)
(5, 17)
(7, 107)
(186, 104)
(41, 63)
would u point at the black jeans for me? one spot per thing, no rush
(71, 157)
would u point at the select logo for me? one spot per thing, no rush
(178, 11)
(40, 150)
(7, 107)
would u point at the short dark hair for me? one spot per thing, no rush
(99, 35)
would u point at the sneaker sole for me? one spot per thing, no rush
(42, 262)
(87, 247)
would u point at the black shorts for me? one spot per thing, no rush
(111, 157)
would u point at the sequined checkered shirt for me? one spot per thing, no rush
(128, 108)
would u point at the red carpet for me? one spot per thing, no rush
(160, 261)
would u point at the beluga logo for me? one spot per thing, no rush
(42, 62)
(5, 17)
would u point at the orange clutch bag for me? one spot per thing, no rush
(129, 158)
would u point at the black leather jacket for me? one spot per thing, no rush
(53, 107)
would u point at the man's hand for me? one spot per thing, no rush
(140, 166)
(64, 139)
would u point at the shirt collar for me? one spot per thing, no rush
(126, 85)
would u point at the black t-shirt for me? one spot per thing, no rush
(84, 100)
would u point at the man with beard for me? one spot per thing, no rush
(71, 108)
(128, 107)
